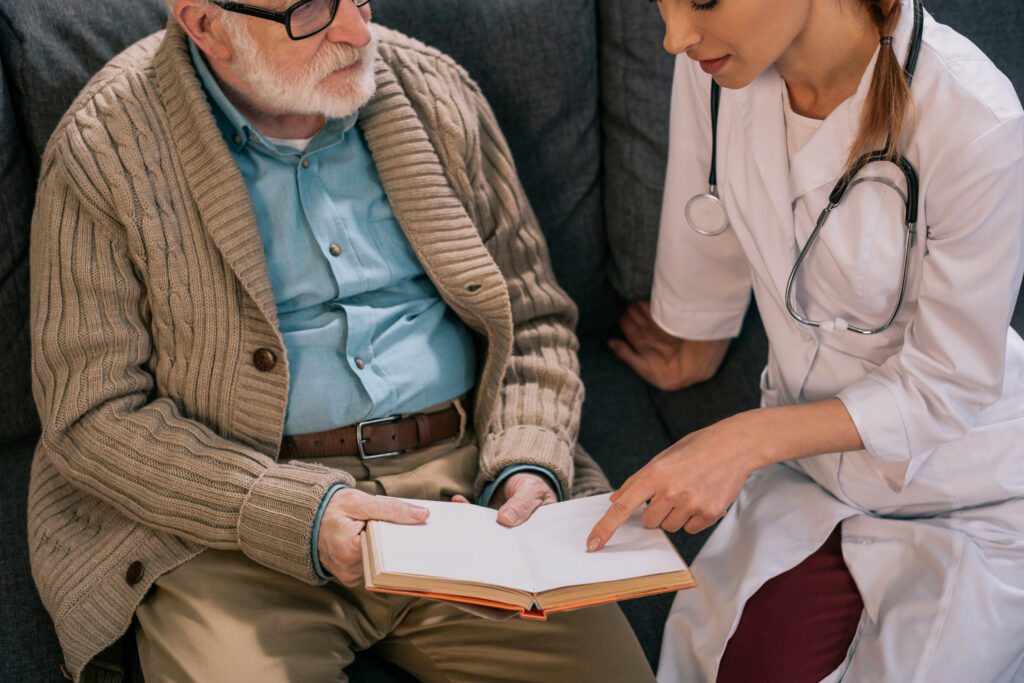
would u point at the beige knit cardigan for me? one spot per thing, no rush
(150, 295)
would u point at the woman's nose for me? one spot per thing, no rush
(681, 31)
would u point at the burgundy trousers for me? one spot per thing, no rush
(797, 628)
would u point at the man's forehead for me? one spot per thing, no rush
(279, 5)
(276, 5)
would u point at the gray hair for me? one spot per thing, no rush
(223, 15)
(172, 3)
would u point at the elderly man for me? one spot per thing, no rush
(275, 249)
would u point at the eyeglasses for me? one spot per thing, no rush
(303, 19)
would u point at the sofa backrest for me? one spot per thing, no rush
(17, 179)
(580, 88)
(536, 61)
(636, 78)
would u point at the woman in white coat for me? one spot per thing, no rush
(883, 476)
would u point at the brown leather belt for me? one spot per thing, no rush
(376, 438)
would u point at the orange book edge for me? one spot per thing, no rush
(523, 612)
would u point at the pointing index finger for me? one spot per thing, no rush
(618, 512)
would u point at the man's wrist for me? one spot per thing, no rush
(315, 535)
(492, 487)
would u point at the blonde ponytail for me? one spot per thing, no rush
(889, 104)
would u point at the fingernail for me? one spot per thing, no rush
(593, 544)
(511, 516)
(419, 512)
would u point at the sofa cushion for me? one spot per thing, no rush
(536, 62)
(636, 81)
(17, 411)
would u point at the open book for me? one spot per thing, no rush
(461, 553)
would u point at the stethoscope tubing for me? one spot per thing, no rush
(909, 238)
(848, 180)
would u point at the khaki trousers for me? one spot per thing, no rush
(221, 617)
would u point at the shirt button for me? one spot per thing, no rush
(360, 364)
(237, 139)
(134, 574)
(305, 163)
(264, 360)
(335, 250)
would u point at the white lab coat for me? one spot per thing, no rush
(932, 510)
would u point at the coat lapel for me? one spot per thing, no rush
(822, 160)
(765, 130)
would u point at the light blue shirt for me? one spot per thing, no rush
(366, 333)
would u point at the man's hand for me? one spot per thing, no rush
(518, 496)
(663, 360)
(343, 520)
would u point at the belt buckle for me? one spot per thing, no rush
(360, 440)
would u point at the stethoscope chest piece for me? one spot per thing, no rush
(706, 214)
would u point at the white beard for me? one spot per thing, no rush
(277, 91)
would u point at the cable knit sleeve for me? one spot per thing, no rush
(537, 413)
(106, 428)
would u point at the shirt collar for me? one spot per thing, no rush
(237, 130)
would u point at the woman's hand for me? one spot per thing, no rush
(691, 484)
(663, 360)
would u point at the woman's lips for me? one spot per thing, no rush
(713, 66)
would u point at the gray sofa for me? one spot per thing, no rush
(580, 88)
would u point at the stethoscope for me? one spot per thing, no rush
(706, 213)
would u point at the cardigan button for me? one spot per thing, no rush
(134, 574)
(264, 360)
